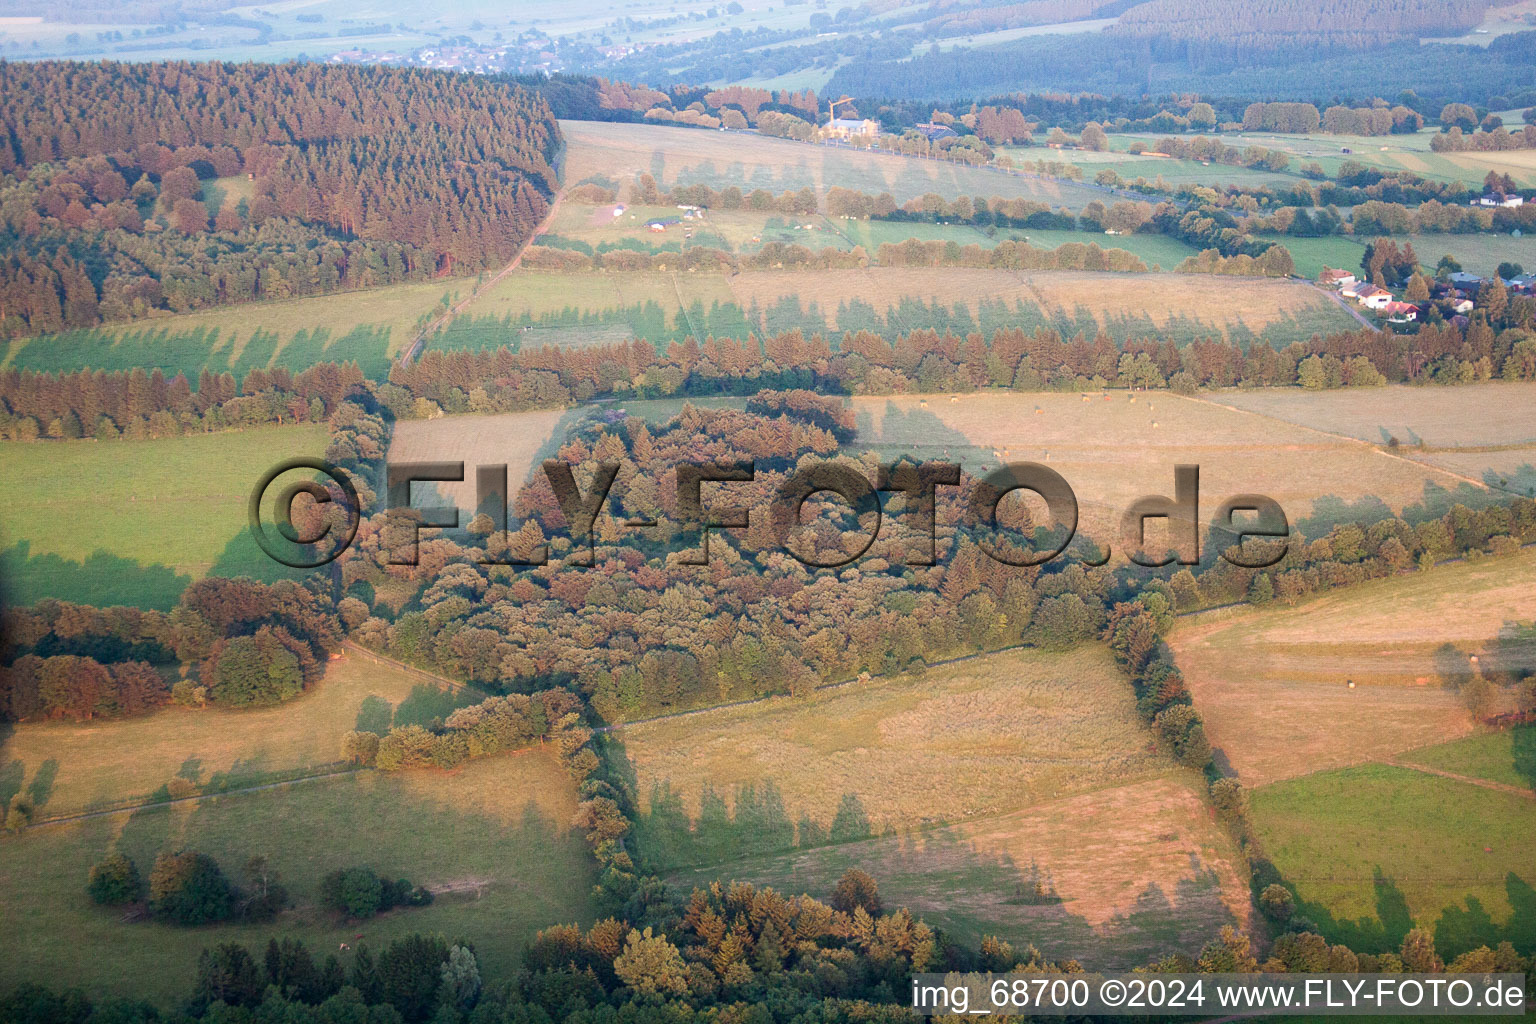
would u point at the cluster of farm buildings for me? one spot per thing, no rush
(1455, 295)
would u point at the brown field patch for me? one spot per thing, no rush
(76, 766)
(516, 439)
(1271, 683)
(615, 153)
(963, 740)
(1113, 450)
(1138, 869)
(1493, 412)
(1106, 298)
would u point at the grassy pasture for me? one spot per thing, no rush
(369, 327)
(614, 153)
(1139, 869)
(1376, 849)
(595, 229)
(1185, 306)
(1386, 152)
(1271, 682)
(498, 824)
(1477, 254)
(72, 767)
(526, 308)
(966, 740)
(1490, 413)
(1131, 166)
(1507, 758)
(133, 522)
(1115, 449)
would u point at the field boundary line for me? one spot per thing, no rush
(1500, 787)
(418, 345)
(64, 819)
(454, 685)
(1368, 445)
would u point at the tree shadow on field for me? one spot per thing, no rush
(427, 704)
(915, 428)
(101, 579)
(1380, 933)
(1523, 743)
(937, 872)
(1517, 481)
(374, 715)
(40, 789)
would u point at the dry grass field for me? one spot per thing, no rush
(1139, 869)
(516, 439)
(1490, 413)
(370, 327)
(71, 767)
(1114, 447)
(615, 153)
(964, 740)
(1271, 683)
(498, 827)
(1187, 303)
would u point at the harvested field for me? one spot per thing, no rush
(1114, 447)
(1489, 413)
(71, 767)
(614, 153)
(1271, 683)
(962, 741)
(1184, 305)
(1137, 870)
(516, 439)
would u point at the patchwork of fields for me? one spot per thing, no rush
(1272, 683)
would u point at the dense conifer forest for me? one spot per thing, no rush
(358, 176)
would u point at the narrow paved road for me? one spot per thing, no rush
(1345, 305)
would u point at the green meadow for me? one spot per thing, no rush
(1374, 850)
(369, 328)
(133, 522)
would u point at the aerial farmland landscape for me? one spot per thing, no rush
(766, 512)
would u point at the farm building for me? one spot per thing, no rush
(1500, 199)
(849, 127)
(1335, 278)
(1372, 297)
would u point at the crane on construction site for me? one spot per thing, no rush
(832, 108)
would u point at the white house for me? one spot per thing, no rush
(1335, 278)
(1372, 297)
(1500, 199)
